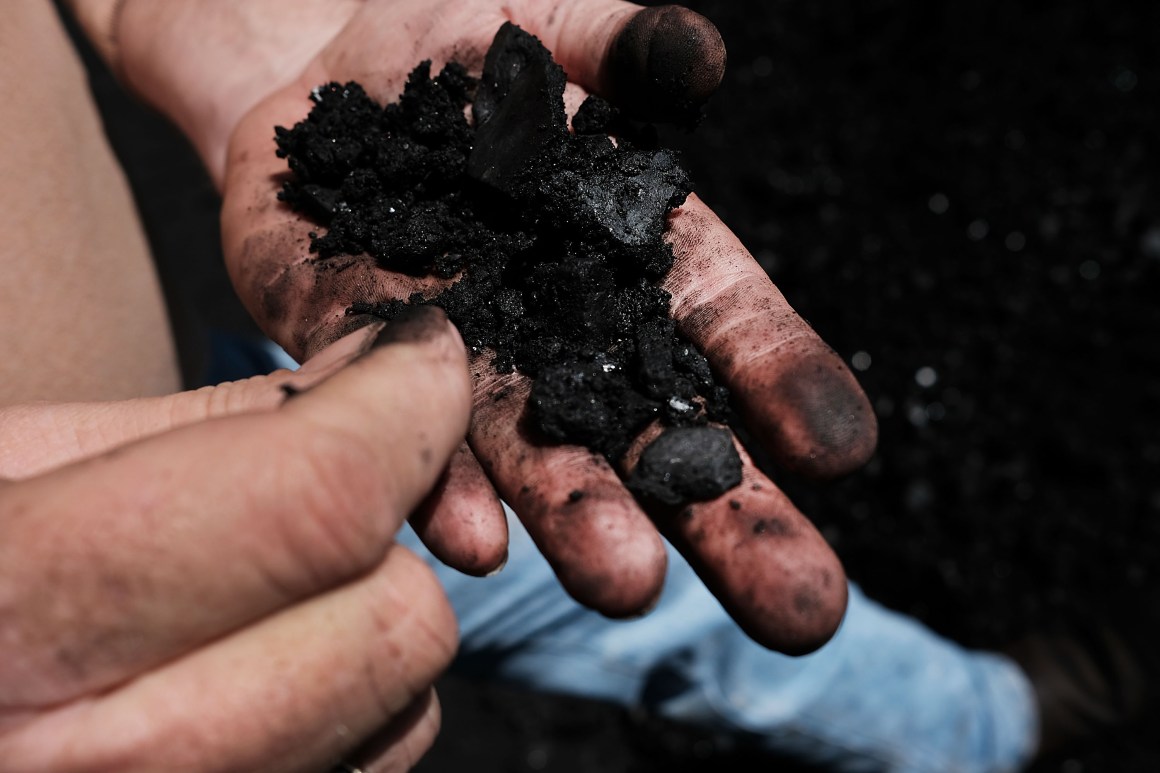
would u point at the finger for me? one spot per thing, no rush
(763, 560)
(297, 691)
(402, 743)
(40, 437)
(462, 521)
(659, 64)
(167, 543)
(603, 548)
(794, 392)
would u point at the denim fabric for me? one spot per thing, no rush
(885, 694)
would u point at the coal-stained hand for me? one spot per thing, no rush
(208, 581)
(763, 559)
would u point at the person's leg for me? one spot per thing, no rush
(885, 694)
(81, 312)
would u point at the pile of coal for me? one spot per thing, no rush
(554, 239)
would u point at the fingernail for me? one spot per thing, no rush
(499, 568)
(665, 64)
(414, 324)
(647, 610)
(343, 350)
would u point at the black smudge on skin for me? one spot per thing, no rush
(414, 324)
(665, 64)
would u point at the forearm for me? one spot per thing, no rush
(81, 311)
(205, 63)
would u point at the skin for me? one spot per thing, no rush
(67, 254)
(228, 91)
(189, 558)
(174, 567)
(214, 614)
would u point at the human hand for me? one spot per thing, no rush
(221, 591)
(762, 558)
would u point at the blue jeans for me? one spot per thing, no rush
(885, 694)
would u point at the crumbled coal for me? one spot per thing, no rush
(686, 463)
(596, 116)
(554, 238)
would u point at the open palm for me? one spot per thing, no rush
(759, 555)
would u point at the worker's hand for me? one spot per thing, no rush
(762, 558)
(221, 590)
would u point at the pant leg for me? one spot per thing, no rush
(885, 694)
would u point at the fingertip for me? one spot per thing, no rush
(469, 541)
(797, 614)
(428, 330)
(770, 568)
(624, 561)
(664, 64)
(825, 426)
(482, 560)
(817, 606)
(632, 592)
(351, 341)
(386, 424)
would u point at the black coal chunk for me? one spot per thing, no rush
(512, 51)
(521, 119)
(631, 201)
(687, 464)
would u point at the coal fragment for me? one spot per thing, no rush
(687, 464)
(512, 51)
(595, 116)
(630, 203)
(654, 353)
(665, 64)
(591, 403)
(523, 149)
(523, 119)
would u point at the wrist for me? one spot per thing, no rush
(205, 63)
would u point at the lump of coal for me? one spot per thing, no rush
(511, 52)
(595, 116)
(555, 239)
(687, 464)
(521, 120)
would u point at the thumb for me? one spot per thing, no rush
(38, 437)
(658, 64)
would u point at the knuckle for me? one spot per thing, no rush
(415, 633)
